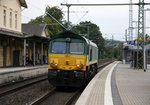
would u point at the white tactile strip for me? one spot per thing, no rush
(94, 92)
(115, 93)
(108, 91)
(133, 85)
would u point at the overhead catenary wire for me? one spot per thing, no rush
(44, 15)
(78, 21)
(56, 21)
(37, 8)
(75, 12)
(71, 9)
(113, 4)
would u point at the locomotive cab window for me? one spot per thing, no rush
(67, 46)
(58, 47)
(77, 48)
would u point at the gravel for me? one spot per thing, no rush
(26, 95)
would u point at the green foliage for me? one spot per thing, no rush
(92, 32)
(38, 19)
(56, 12)
(112, 51)
(87, 27)
(53, 26)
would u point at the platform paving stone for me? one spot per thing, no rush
(133, 85)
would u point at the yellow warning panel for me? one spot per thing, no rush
(148, 38)
(140, 38)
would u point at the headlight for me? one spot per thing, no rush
(54, 65)
(80, 66)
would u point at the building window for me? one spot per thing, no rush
(10, 19)
(4, 13)
(16, 21)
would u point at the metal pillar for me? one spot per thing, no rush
(131, 31)
(144, 49)
(123, 58)
(126, 35)
(112, 46)
(140, 34)
(130, 22)
(34, 53)
(42, 53)
(24, 63)
(68, 25)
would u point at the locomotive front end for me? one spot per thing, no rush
(67, 61)
(66, 69)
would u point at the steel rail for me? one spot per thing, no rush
(52, 92)
(9, 91)
(101, 65)
(44, 97)
(72, 98)
(20, 81)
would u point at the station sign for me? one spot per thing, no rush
(140, 38)
(148, 38)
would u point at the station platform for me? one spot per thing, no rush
(117, 84)
(11, 74)
(15, 69)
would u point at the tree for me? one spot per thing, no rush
(92, 32)
(112, 49)
(53, 26)
(38, 19)
(56, 12)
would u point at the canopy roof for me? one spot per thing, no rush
(23, 3)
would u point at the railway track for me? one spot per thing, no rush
(65, 97)
(42, 98)
(51, 98)
(13, 87)
(104, 63)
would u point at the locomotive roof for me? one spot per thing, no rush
(90, 42)
(73, 35)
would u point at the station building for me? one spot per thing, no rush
(20, 44)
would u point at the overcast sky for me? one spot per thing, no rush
(112, 20)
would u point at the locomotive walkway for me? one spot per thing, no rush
(117, 84)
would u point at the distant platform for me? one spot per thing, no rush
(11, 74)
